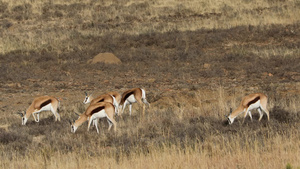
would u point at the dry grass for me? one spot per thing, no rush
(276, 154)
(26, 23)
(191, 133)
(195, 59)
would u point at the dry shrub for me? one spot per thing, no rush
(3, 8)
(284, 116)
(21, 12)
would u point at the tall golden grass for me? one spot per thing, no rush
(276, 153)
(273, 144)
(55, 25)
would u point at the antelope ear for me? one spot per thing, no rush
(70, 122)
(85, 93)
(229, 113)
(77, 114)
(92, 93)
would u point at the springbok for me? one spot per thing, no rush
(39, 104)
(94, 112)
(257, 101)
(132, 96)
(102, 98)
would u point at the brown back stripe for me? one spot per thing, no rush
(127, 95)
(45, 103)
(253, 101)
(96, 110)
(102, 100)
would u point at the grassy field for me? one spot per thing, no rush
(196, 60)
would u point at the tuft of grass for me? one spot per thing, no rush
(288, 166)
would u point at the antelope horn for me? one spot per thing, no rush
(21, 114)
(229, 113)
(85, 93)
(77, 114)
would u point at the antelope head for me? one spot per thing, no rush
(23, 116)
(229, 119)
(88, 98)
(73, 127)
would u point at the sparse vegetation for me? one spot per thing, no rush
(195, 59)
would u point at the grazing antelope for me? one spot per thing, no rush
(39, 104)
(133, 96)
(116, 95)
(252, 101)
(102, 98)
(109, 97)
(94, 112)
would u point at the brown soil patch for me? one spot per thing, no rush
(105, 58)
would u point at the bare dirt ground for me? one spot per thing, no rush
(164, 64)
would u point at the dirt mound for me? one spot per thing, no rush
(105, 58)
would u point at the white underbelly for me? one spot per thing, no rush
(254, 105)
(131, 99)
(46, 108)
(100, 114)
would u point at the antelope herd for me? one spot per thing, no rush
(104, 106)
(112, 103)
